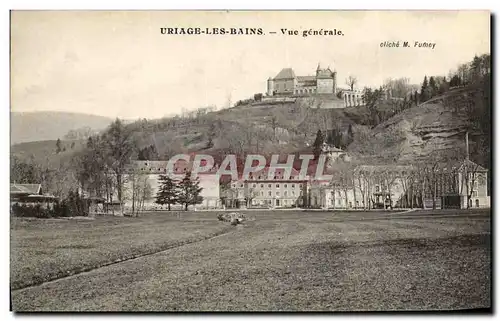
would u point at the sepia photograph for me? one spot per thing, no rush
(250, 161)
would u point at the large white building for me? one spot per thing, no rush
(384, 186)
(148, 172)
(260, 190)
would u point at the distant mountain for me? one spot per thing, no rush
(51, 125)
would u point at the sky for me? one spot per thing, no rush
(118, 64)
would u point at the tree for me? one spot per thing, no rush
(148, 153)
(211, 135)
(444, 86)
(274, 124)
(350, 135)
(58, 146)
(167, 193)
(425, 90)
(342, 181)
(140, 190)
(455, 81)
(351, 81)
(251, 195)
(90, 167)
(416, 98)
(318, 144)
(189, 191)
(118, 149)
(372, 98)
(22, 173)
(469, 178)
(147, 192)
(399, 87)
(433, 88)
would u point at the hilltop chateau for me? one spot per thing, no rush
(287, 83)
(324, 82)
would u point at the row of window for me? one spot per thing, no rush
(284, 202)
(265, 177)
(268, 185)
(285, 193)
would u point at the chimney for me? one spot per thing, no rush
(467, 145)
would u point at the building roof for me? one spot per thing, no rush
(285, 73)
(324, 74)
(25, 189)
(306, 78)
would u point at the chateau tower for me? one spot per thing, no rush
(270, 87)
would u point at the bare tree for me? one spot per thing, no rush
(251, 195)
(469, 171)
(351, 81)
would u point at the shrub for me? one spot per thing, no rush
(233, 218)
(74, 205)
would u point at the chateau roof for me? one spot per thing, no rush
(306, 78)
(324, 74)
(285, 73)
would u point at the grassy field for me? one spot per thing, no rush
(45, 249)
(282, 261)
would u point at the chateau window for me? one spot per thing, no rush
(269, 185)
(270, 194)
(261, 185)
(277, 185)
(293, 193)
(293, 185)
(286, 185)
(277, 193)
(377, 188)
(241, 185)
(300, 185)
(234, 185)
(261, 193)
(286, 193)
